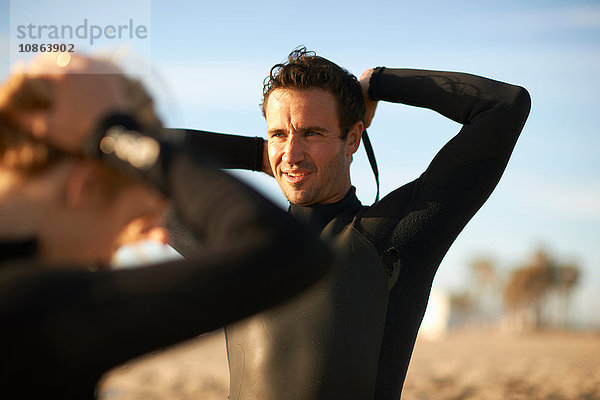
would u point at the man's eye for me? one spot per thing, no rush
(310, 133)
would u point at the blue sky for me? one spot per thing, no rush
(207, 63)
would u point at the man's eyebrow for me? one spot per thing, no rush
(314, 129)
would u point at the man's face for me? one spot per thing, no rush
(307, 155)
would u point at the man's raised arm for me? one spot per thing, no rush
(415, 225)
(465, 171)
(492, 113)
(226, 151)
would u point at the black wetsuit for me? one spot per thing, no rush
(62, 327)
(352, 336)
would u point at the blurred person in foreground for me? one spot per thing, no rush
(81, 174)
(352, 335)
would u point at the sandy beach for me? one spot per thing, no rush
(482, 366)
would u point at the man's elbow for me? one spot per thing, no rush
(520, 103)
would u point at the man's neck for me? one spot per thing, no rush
(319, 215)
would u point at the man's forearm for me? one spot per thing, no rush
(226, 151)
(492, 113)
(458, 96)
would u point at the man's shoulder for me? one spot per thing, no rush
(376, 221)
(391, 203)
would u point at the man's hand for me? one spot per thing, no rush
(83, 91)
(370, 105)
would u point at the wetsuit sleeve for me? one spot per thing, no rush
(226, 151)
(78, 324)
(435, 207)
(414, 226)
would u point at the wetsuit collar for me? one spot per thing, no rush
(319, 215)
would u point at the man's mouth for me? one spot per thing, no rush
(296, 176)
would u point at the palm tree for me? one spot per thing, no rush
(540, 281)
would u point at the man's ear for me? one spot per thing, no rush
(84, 184)
(353, 139)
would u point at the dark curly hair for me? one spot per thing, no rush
(305, 70)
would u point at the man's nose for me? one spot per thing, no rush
(294, 151)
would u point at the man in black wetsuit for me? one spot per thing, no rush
(74, 175)
(352, 335)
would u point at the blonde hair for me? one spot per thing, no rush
(20, 150)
